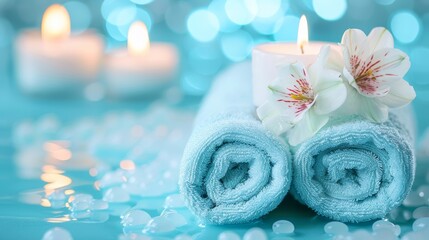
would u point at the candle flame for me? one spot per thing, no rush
(55, 23)
(302, 33)
(138, 38)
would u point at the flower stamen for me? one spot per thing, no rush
(299, 97)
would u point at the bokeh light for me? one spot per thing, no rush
(175, 16)
(237, 46)
(405, 26)
(203, 25)
(142, 2)
(288, 29)
(119, 21)
(218, 8)
(268, 8)
(241, 12)
(199, 25)
(308, 4)
(80, 16)
(330, 10)
(109, 6)
(267, 26)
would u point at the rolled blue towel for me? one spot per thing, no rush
(355, 170)
(233, 170)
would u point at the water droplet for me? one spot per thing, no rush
(76, 206)
(116, 195)
(57, 233)
(361, 234)
(255, 234)
(57, 204)
(385, 234)
(98, 204)
(228, 235)
(420, 224)
(344, 236)
(421, 212)
(174, 217)
(420, 235)
(158, 225)
(174, 201)
(80, 214)
(283, 227)
(57, 195)
(423, 192)
(381, 224)
(336, 228)
(135, 218)
(83, 197)
(112, 178)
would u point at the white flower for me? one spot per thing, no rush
(301, 100)
(375, 70)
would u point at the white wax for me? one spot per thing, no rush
(266, 57)
(137, 75)
(57, 66)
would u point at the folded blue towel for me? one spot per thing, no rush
(233, 170)
(354, 170)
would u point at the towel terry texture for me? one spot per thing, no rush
(233, 170)
(354, 170)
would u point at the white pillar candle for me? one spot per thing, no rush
(266, 58)
(142, 69)
(52, 61)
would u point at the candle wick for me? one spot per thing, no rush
(302, 48)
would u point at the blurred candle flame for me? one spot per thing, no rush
(302, 33)
(55, 23)
(138, 38)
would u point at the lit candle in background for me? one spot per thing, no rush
(54, 62)
(143, 68)
(266, 57)
(138, 39)
(55, 23)
(302, 38)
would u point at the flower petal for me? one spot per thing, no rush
(379, 38)
(349, 78)
(352, 41)
(330, 99)
(277, 124)
(373, 110)
(353, 38)
(351, 105)
(335, 61)
(375, 75)
(400, 94)
(305, 129)
(288, 74)
(357, 104)
(321, 76)
(293, 90)
(389, 64)
(273, 108)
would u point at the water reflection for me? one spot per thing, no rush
(54, 180)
